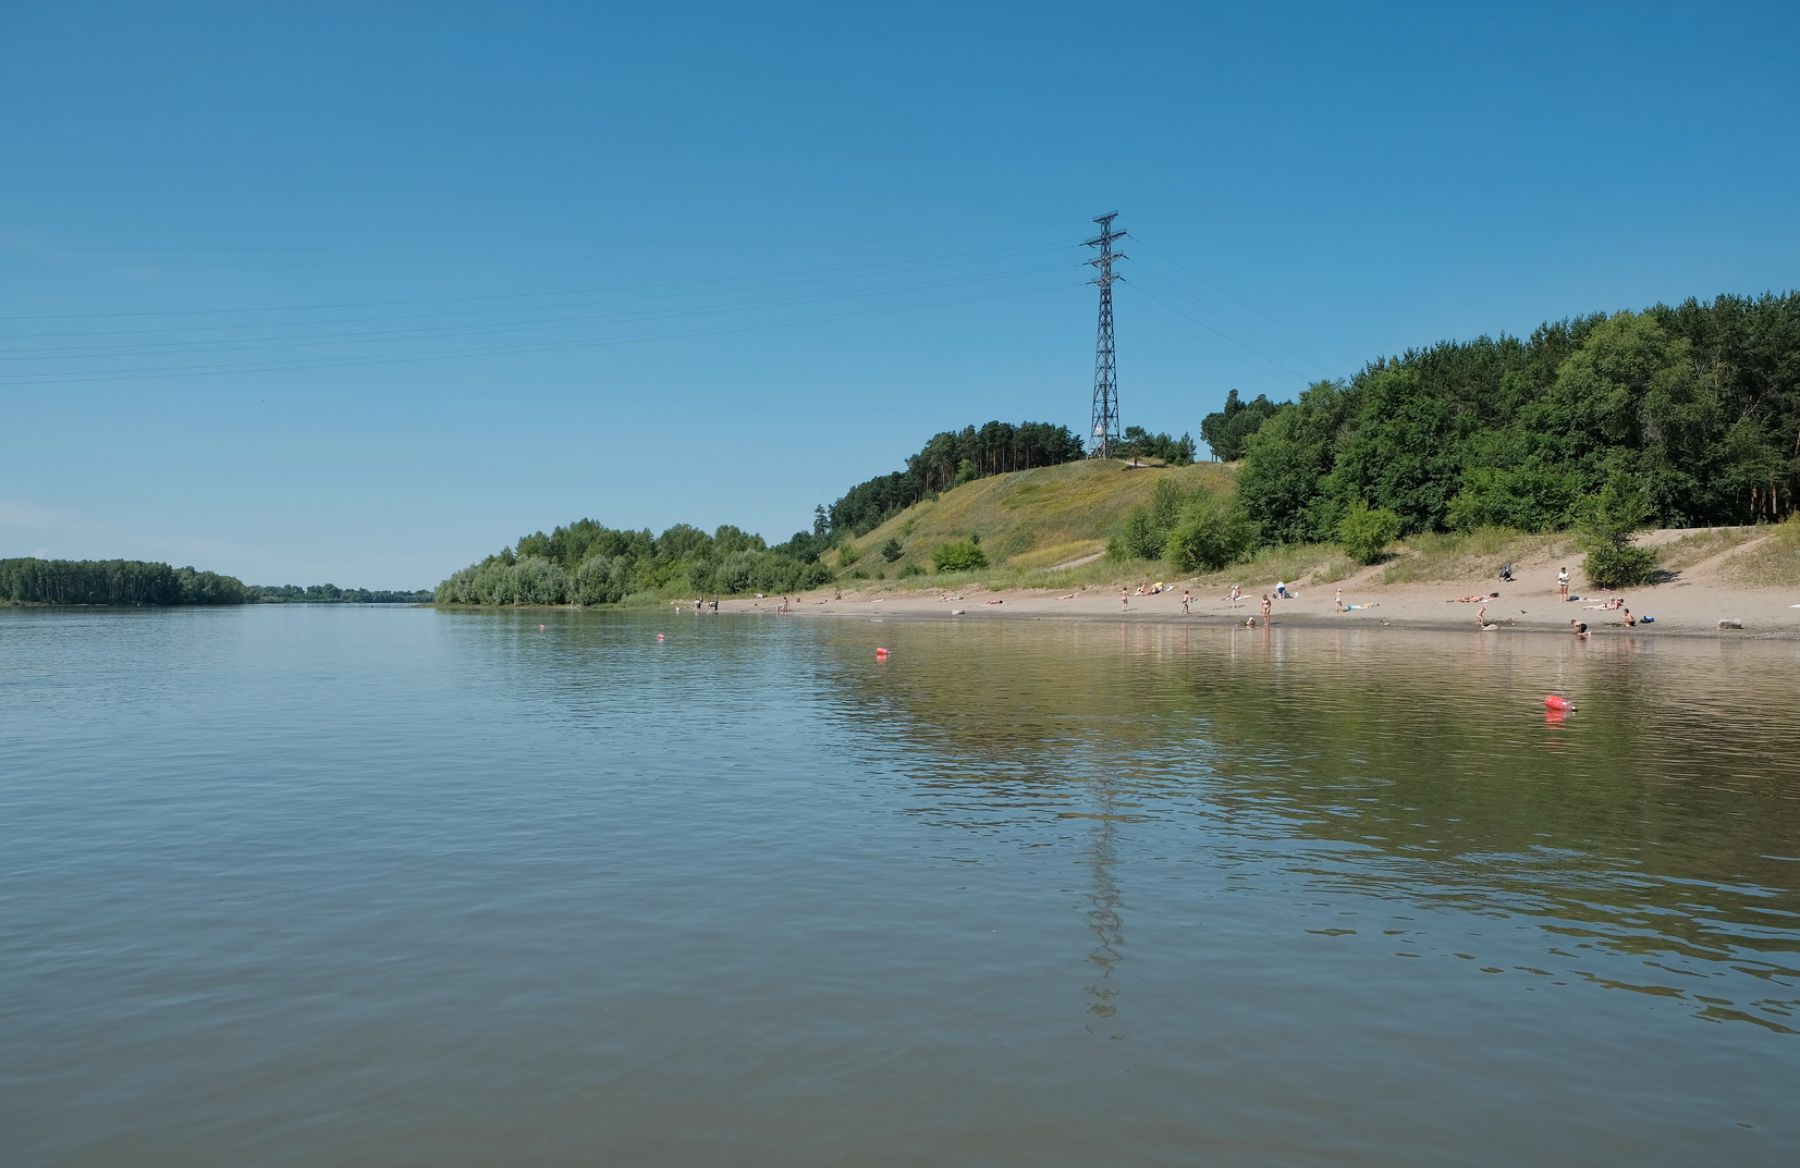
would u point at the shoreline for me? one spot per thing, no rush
(1679, 609)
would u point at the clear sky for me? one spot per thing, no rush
(362, 292)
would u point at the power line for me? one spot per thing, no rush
(1104, 419)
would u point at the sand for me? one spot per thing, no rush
(1692, 604)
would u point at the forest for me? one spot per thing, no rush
(588, 563)
(1696, 408)
(137, 583)
(118, 582)
(332, 594)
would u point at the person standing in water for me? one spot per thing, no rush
(1268, 605)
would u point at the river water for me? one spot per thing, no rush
(358, 886)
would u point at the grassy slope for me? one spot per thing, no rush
(1030, 522)
(1030, 519)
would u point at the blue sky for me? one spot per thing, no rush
(360, 293)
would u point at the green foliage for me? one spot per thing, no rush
(587, 563)
(848, 555)
(891, 550)
(1146, 530)
(909, 571)
(1607, 524)
(1616, 565)
(1228, 431)
(949, 458)
(1366, 531)
(1531, 498)
(116, 582)
(1209, 533)
(963, 556)
(1138, 442)
(1699, 403)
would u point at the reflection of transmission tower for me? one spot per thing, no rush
(1105, 427)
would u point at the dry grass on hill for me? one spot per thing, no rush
(1031, 520)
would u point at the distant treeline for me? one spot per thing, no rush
(136, 582)
(587, 563)
(128, 582)
(332, 594)
(1696, 405)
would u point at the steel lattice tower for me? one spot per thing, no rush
(1105, 423)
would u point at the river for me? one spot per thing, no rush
(382, 886)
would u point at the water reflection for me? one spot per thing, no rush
(1648, 839)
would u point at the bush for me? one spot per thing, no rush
(1147, 528)
(1366, 531)
(891, 550)
(959, 557)
(1209, 534)
(848, 555)
(910, 570)
(1607, 524)
(1613, 564)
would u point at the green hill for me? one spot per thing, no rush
(1027, 520)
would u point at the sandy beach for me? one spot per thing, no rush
(1692, 604)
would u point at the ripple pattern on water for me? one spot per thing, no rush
(301, 886)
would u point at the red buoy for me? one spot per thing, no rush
(880, 654)
(1557, 702)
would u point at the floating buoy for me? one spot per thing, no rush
(659, 636)
(540, 628)
(880, 654)
(1557, 702)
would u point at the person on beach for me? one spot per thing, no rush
(1481, 618)
(1124, 599)
(1268, 606)
(1339, 600)
(1626, 618)
(1281, 589)
(1237, 591)
(1187, 598)
(1562, 583)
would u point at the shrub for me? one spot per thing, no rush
(848, 555)
(959, 557)
(1616, 565)
(891, 550)
(1147, 528)
(1209, 534)
(1607, 523)
(910, 570)
(1365, 531)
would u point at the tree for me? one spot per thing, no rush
(1608, 523)
(1229, 429)
(891, 550)
(1209, 534)
(1366, 531)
